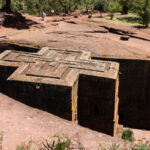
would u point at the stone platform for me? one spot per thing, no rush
(66, 83)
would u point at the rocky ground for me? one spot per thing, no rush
(81, 33)
(19, 122)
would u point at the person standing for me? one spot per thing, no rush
(43, 15)
(2, 19)
(52, 12)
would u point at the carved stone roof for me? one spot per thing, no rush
(55, 66)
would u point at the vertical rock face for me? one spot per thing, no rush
(66, 83)
(18, 46)
(134, 92)
(98, 104)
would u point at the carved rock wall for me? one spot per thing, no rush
(134, 92)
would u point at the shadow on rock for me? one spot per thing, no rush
(17, 21)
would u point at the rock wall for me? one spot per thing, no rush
(134, 92)
(18, 46)
(97, 106)
(52, 98)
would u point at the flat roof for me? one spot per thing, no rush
(56, 66)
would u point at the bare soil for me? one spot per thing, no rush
(19, 122)
(83, 34)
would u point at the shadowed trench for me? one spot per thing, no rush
(134, 92)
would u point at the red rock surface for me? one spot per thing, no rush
(19, 123)
(58, 33)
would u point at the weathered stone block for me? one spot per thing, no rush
(66, 83)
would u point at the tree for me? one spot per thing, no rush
(18, 6)
(66, 5)
(125, 5)
(113, 6)
(100, 5)
(7, 6)
(142, 8)
(88, 4)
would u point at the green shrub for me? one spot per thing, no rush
(25, 146)
(141, 147)
(113, 6)
(109, 147)
(142, 9)
(62, 143)
(128, 135)
(57, 142)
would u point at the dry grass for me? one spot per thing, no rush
(137, 145)
(1, 139)
(57, 142)
(63, 142)
(129, 19)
